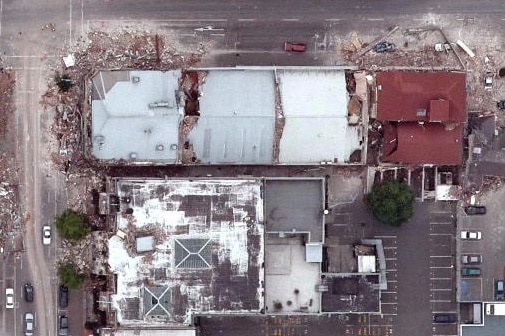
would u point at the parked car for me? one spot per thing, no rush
(9, 298)
(46, 235)
(499, 294)
(488, 81)
(295, 46)
(63, 296)
(475, 210)
(384, 47)
(29, 324)
(471, 259)
(500, 104)
(444, 318)
(28, 292)
(442, 46)
(470, 271)
(63, 325)
(471, 235)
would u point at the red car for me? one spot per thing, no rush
(294, 46)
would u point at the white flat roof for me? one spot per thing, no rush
(315, 108)
(135, 115)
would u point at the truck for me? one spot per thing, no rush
(495, 309)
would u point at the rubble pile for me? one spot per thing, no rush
(9, 180)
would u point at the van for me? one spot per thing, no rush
(498, 290)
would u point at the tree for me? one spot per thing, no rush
(391, 202)
(70, 277)
(72, 225)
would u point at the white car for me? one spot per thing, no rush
(29, 324)
(46, 235)
(471, 235)
(9, 298)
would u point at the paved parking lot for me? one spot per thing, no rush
(420, 259)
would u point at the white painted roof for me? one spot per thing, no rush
(315, 108)
(127, 124)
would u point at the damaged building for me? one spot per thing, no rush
(251, 115)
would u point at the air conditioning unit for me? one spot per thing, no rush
(135, 79)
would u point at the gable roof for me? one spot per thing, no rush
(423, 144)
(400, 96)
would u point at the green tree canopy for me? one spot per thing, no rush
(391, 202)
(72, 225)
(69, 276)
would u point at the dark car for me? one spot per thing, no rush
(28, 288)
(470, 271)
(500, 104)
(444, 318)
(63, 296)
(475, 210)
(63, 325)
(384, 47)
(498, 290)
(295, 46)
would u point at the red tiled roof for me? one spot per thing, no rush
(430, 143)
(400, 96)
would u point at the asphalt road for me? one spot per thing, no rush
(254, 30)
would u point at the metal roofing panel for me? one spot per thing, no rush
(237, 118)
(135, 112)
(316, 127)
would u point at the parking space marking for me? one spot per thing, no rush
(389, 247)
(442, 266)
(385, 237)
(440, 256)
(442, 223)
(440, 301)
(442, 234)
(441, 289)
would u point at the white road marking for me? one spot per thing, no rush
(370, 19)
(384, 237)
(441, 223)
(246, 20)
(161, 21)
(332, 19)
(294, 20)
(440, 278)
(440, 256)
(441, 289)
(441, 234)
(441, 266)
(440, 301)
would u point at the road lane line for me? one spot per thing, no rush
(384, 237)
(246, 20)
(288, 20)
(371, 19)
(440, 301)
(332, 19)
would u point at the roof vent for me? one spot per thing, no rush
(133, 155)
(135, 79)
(173, 146)
(160, 147)
(100, 139)
(421, 112)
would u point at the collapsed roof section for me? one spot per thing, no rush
(208, 250)
(252, 115)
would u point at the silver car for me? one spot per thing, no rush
(29, 324)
